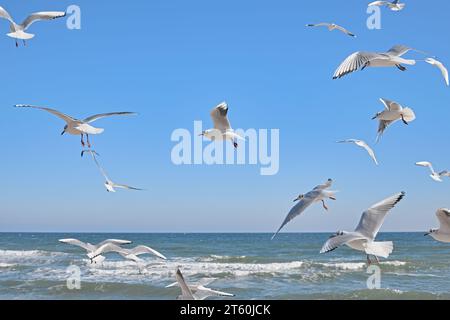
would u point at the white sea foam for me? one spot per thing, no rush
(7, 265)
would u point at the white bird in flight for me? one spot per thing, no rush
(197, 291)
(109, 184)
(393, 112)
(331, 27)
(18, 30)
(443, 233)
(364, 145)
(394, 5)
(318, 194)
(130, 254)
(90, 248)
(363, 238)
(441, 67)
(79, 127)
(222, 128)
(362, 60)
(434, 175)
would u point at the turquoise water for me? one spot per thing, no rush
(34, 266)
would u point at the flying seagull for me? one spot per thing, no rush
(18, 30)
(363, 145)
(394, 5)
(393, 112)
(331, 27)
(441, 67)
(130, 254)
(363, 238)
(362, 60)
(109, 184)
(434, 175)
(78, 127)
(222, 128)
(196, 291)
(318, 194)
(90, 248)
(443, 233)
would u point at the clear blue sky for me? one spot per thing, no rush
(172, 61)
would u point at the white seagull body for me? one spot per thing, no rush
(109, 184)
(18, 31)
(392, 113)
(331, 27)
(363, 145)
(78, 127)
(443, 233)
(363, 238)
(394, 5)
(434, 175)
(318, 194)
(222, 128)
(441, 67)
(362, 60)
(196, 291)
(90, 248)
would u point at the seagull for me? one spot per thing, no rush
(222, 128)
(434, 175)
(394, 5)
(331, 27)
(196, 291)
(318, 194)
(361, 60)
(363, 238)
(443, 233)
(393, 112)
(109, 184)
(364, 145)
(78, 127)
(18, 30)
(130, 254)
(92, 247)
(441, 67)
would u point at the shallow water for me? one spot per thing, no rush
(34, 266)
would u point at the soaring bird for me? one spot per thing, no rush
(78, 127)
(364, 145)
(434, 175)
(443, 233)
(331, 27)
(318, 194)
(222, 128)
(18, 30)
(393, 112)
(394, 5)
(363, 238)
(441, 67)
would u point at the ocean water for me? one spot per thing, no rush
(34, 266)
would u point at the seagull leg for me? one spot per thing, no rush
(378, 260)
(404, 121)
(402, 68)
(17, 44)
(82, 140)
(24, 43)
(88, 143)
(235, 144)
(368, 260)
(324, 205)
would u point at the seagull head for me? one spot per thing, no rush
(300, 197)
(430, 232)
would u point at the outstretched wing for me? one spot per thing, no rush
(144, 249)
(219, 116)
(325, 185)
(105, 115)
(124, 186)
(369, 150)
(60, 115)
(78, 243)
(345, 31)
(378, 3)
(399, 50)
(340, 239)
(5, 15)
(114, 241)
(39, 16)
(372, 219)
(186, 293)
(443, 216)
(355, 62)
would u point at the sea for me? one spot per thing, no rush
(251, 266)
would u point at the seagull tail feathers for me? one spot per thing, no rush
(380, 249)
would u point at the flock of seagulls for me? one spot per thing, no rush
(363, 238)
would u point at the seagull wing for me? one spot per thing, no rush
(219, 116)
(372, 219)
(186, 293)
(5, 15)
(384, 124)
(338, 240)
(378, 3)
(74, 242)
(441, 67)
(399, 50)
(345, 31)
(213, 292)
(299, 208)
(443, 216)
(426, 164)
(391, 105)
(102, 171)
(355, 62)
(124, 186)
(114, 241)
(369, 150)
(144, 250)
(325, 185)
(39, 16)
(60, 115)
(106, 248)
(105, 115)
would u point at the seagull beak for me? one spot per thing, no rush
(62, 133)
(296, 199)
(426, 234)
